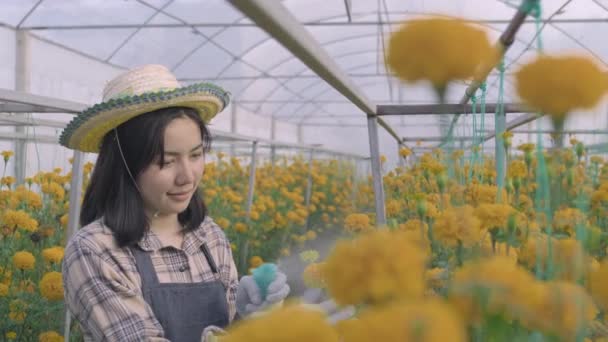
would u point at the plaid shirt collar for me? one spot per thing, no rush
(193, 240)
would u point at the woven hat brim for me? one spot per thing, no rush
(86, 131)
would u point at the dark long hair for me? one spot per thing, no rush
(113, 195)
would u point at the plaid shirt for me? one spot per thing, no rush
(103, 288)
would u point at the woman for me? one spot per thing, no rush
(148, 263)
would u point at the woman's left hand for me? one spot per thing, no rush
(249, 295)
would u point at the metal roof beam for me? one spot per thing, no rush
(504, 43)
(451, 108)
(309, 23)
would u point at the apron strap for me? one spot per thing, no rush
(209, 258)
(143, 262)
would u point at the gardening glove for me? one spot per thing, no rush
(316, 298)
(249, 296)
(212, 334)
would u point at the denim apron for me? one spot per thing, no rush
(183, 309)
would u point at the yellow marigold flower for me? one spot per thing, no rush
(292, 216)
(567, 310)
(375, 267)
(557, 85)
(517, 168)
(439, 50)
(494, 215)
(597, 285)
(223, 222)
(313, 276)
(17, 309)
(294, 323)
(11, 335)
(7, 155)
(481, 193)
(53, 189)
(14, 219)
(240, 227)
(357, 222)
(596, 159)
(569, 260)
(88, 167)
(393, 207)
(457, 154)
(255, 261)
(311, 235)
(527, 147)
(30, 198)
(458, 224)
(254, 215)
(7, 180)
(415, 225)
(53, 255)
(51, 286)
(64, 220)
(50, 336)
(567, 219)
(309, 256)
(405, 152)
(24, 260)
(497, 286)
(3, 290)
(428, 321)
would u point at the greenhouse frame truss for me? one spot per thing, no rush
(277, 21)
(280, 24)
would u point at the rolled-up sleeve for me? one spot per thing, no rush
(99, 297)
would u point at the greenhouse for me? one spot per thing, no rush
(412, 170)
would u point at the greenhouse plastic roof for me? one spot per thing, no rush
(209, 40)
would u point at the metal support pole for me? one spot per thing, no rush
(355, 177)
(309, 187)
(250, 191)
(22, 83)
(500, 123)
(254, 148)
(273, 149)
(233, 128)
(374, 147)
(73, 217)
(503, 44)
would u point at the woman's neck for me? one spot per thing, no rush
(165, 226)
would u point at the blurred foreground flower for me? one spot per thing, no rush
(290, 323)
(375, 268)
(440, 50)
(557, 85)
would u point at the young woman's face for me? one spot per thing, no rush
(168, 188)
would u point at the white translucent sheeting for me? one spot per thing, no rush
(211, 41)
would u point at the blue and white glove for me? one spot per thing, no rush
(249, 296)
(317, 298)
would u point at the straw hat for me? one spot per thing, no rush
(136, 92)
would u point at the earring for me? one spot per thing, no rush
(156, 214)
